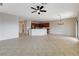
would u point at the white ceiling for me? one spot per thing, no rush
(65, 10)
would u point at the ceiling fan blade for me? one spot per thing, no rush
(42, 10)
(38, 7)
(38, 12)
(33, 8)
(34, 11)
(41, 7)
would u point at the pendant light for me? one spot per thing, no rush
(60, 21)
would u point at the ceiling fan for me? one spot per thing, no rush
(38, 9)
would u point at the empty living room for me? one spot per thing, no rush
(39, 29)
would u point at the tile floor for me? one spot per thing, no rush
(49, 45)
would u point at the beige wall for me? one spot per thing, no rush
(28, 26)
(78, 27)
(67, 29)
